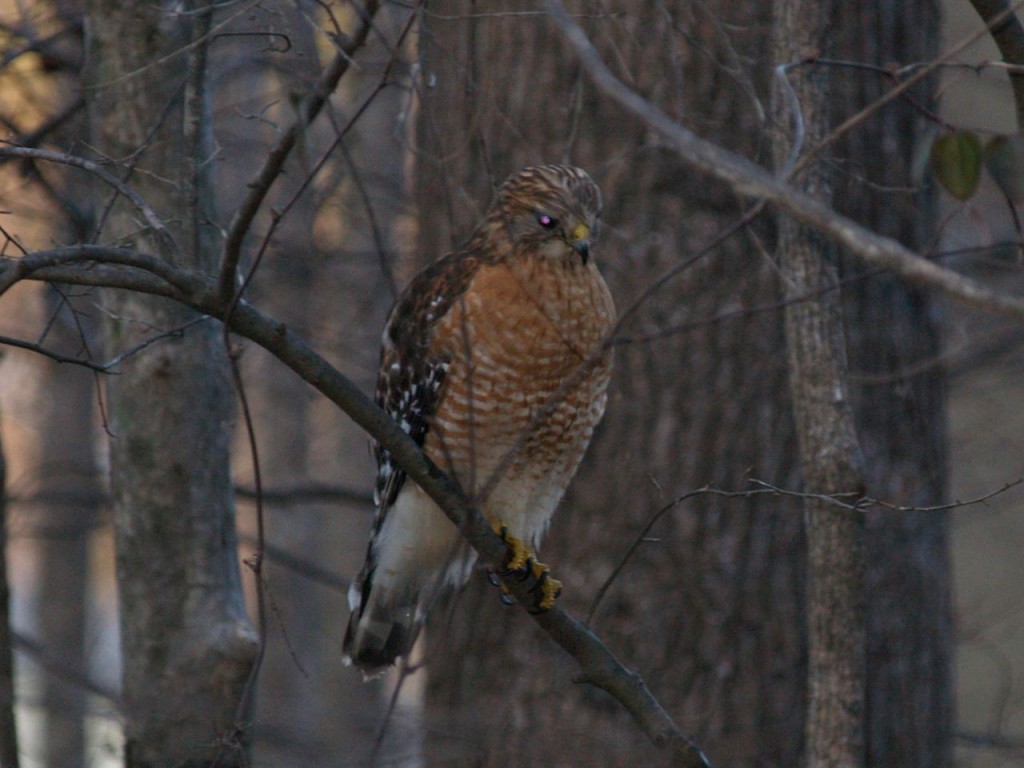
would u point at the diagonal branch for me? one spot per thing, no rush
(307, 111)
(598, 666)
(751, 180)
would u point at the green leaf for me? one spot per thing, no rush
(956, 163)
(1004, 158)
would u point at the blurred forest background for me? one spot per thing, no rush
(442, 101)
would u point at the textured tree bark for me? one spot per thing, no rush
(830, 456)
(710, 609)
(187, 644)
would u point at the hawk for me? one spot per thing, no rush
(494, 360)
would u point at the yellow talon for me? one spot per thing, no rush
(521, 558)
(519, 553)
(549, 589)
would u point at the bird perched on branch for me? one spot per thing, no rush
(494, 360)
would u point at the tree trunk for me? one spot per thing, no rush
(710, 609)
(830, 456)
(8, 732)
(64, 518)
(898, 391)
(187, 644)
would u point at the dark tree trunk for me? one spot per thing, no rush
(710, 609)
(898, 393)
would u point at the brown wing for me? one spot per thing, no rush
(411, 378)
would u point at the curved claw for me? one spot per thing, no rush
(548, 587)
(495, 581)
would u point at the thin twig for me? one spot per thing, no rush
(112, 363)
(637, 541)
(867, 502)
(49, 125)
(9, 150)
(768, 489)
(371, 218)
(308, 109)
(58, 668)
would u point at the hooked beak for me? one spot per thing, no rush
(581, 241)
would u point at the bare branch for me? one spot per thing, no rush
(767, 489)
(637, 541)
(59, 668)
(10, 341)
(750, 180)
(9, 150)
(994, 741)
(598, 665)
(13, 270)
(307, 111)
(308, 493)
(866, 502)
(51, 124)
(104, 276)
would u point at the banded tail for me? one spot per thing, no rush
(384, 624)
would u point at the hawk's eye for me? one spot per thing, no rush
(548, 222)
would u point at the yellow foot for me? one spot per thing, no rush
(523, 563)
(518, 553)
(549, 588)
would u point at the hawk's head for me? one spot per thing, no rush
(554, 209)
